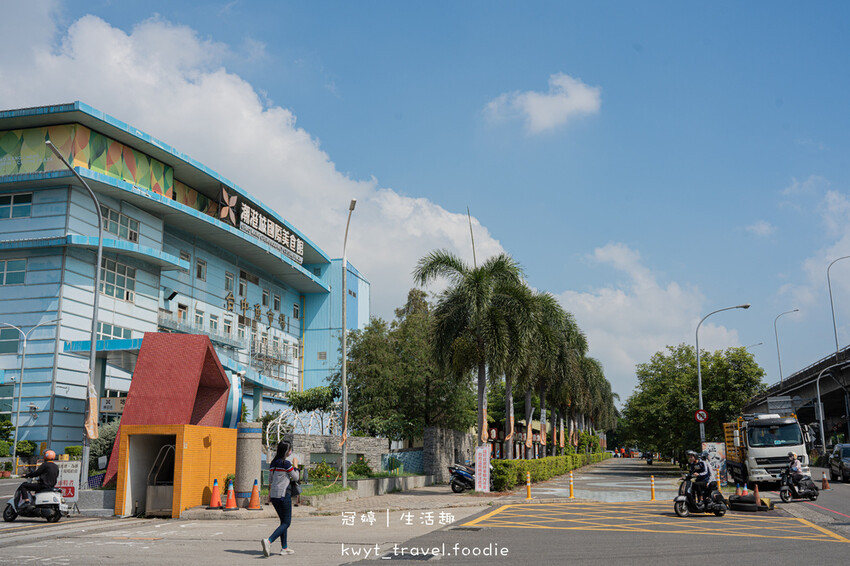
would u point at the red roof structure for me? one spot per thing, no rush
(178, 380)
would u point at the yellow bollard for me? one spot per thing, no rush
(571, 485)
(528, 486)
(652, 485)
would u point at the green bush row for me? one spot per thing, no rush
(509, 473)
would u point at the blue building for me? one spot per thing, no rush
(184, 250)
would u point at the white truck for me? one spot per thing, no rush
(757, 446)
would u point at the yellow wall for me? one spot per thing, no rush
(202, 454)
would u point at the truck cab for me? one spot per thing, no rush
(760, 447)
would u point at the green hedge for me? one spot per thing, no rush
(74, 452)
(509, 473)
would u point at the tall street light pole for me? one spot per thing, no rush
(91, 404)
(25, 336)
(699, 369)
(344, 350)
(776, 333)
(835, 329)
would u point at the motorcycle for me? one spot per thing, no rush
(806, 489)
(649, 458)
(47, 504)
(463, 477)
(686, 502)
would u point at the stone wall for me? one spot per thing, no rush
(442, 448)
(303, 445)
(411, 458)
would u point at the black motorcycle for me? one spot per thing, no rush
(648, 457)
(687, 502)
(805, 489)
(463, 478)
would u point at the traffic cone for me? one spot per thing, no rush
(231, 498)
(254, 503)
(745, 492)
(738, 489)
(215, 499)
(825, 482)
(756, 493)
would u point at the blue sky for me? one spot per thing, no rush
(647, 163)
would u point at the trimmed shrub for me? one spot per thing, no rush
(102, 445)
(323, 471)
(509, 473)
(74, 452)
(26, 448)
(359, 468)
(4, 448)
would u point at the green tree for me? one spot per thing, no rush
(472, 316)
(659, 415)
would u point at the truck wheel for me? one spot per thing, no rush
(785, 495)
(9, 513)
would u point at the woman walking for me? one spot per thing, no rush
(282, 473)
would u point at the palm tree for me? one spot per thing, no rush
(472, 318)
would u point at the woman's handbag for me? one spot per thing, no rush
(294, 488)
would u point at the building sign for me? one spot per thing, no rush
(482, 468)
(252, 221)
(69, 479)
(112, 404)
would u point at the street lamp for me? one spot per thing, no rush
(776, 333)
(699, 369)
(753, 345)
(25, 336)
(831, 304)
(345, 351)
(91, 404)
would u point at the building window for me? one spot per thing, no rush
(106, 331)
(352, 293)
(199, 318)
(228, 326)
(184, 256)
(182, 313)
(243, 287)
(275, 343)
(119, 224)
(7, 392)
(296, 311)
(201, 269)
(214, 323)
(277, 303)
(241, 331)
(9, 338)
(13, 271)
(118, 280)
(322, 356)
(265, 297)
(228, 282)
(15, 206)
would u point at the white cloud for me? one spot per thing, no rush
(169, 82)
(627, 324)
(761, 228)
(567, 98)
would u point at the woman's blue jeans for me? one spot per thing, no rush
(283, 506)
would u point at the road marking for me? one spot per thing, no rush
(648, 517)
(827, 509)
(46, 525)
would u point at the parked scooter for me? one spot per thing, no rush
(48, 504)
(687, 502)
(806, 489)
(648, 457)
(463, 477)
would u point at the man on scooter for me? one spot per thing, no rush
(47, 474)
(795, 467)
(701, 473)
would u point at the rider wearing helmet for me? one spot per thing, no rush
(47, 474)
(795, 467)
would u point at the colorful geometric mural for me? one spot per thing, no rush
(24, 151)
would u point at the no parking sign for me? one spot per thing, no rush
(701, 415)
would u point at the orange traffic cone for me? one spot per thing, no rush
(738, 489)
(254, 503)
(215, 499)
(756, 493)
(231, 498)
(825, 482)
(745, 492)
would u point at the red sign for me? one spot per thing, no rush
(68, 491)
(701, 415)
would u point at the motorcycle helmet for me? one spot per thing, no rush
(49, 455)
(691, 453)
(792, 455)
(704, 455)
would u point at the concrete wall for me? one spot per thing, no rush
(442, 448)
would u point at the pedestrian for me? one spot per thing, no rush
(282, 473)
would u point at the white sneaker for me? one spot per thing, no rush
(286, 551)
(267, 547)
